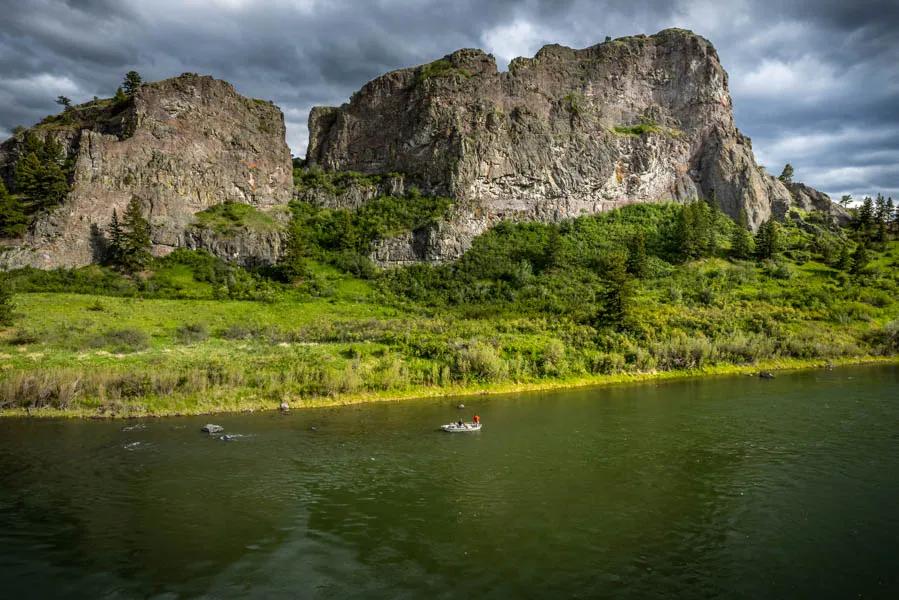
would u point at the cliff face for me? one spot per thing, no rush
(568, 132)
(179, 145)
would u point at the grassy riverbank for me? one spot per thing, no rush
(524, 309)
(244, 400)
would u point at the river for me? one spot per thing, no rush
(733, 487)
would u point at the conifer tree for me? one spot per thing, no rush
(865, 216)
(131, 83)
(116, 240)
(136, 242)
(767, 240)
(741, 239)
(859, 259)
(13, 220)
(694, 230)
(844, 263)
(119, 96)
(39, 175)
(892, 216)
(636, 255)
(6, 304)
(787, 174)
(617, 297)
(880, 218)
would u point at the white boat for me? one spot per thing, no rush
(463, 428)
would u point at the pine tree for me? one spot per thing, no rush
(636, 255)
(892, 215)
(39, 176)
(859, 259)
(131, 83)
(880, 218)
(119, 96)
(136, 241)
(844, 263)
(767, 240)
(13, 220)
(865, 216)
(617, 296)
(116, 240)
(741, 239)
(787, 174)
(6, 304)
(695, 232)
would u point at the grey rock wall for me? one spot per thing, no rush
(181, 146)
(549, 139)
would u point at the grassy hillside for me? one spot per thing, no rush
(647, 290)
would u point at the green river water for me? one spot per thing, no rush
(732, 487)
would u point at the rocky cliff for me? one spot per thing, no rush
(179, 145)
(566, 133)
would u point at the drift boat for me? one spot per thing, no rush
(463, 428)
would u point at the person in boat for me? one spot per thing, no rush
(477, 420)
(459, 423)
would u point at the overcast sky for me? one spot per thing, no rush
(815, 83)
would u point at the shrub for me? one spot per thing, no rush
(191, 333)
(23, 337)
(479, 361)
(553, 361)
(121, 340)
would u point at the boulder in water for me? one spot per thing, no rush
(766, 375)
(210, 428)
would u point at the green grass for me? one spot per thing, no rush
(441, 68)
(228, 218)
(336, 182)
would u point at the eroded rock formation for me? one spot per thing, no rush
(179, 145)
(566, 133)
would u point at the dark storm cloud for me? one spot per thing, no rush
(814, 83)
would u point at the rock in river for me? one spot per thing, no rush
(210, 428)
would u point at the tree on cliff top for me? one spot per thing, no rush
(131, 83)
(787, 174)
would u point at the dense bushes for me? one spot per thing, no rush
(182, 274)
(344, 237)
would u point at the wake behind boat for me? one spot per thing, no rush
(461, 428)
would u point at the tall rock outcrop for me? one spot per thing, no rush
(179, 145)
(566, 133)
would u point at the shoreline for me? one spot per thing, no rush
(232, 401)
